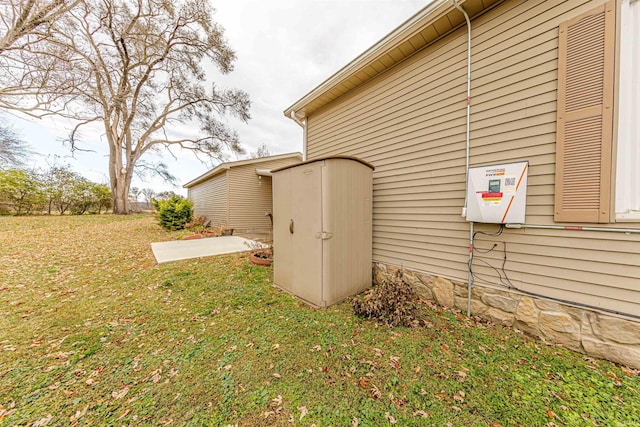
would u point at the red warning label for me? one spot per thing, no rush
(488, 195)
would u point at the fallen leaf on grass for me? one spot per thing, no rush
(120, 394)
(61, 355)
(390, 418)
(375, 392)
(156, 376)
(124, 414)
(303, 411)
(615, 378)
(459, 397)
(43, 421)
(395, 362)
(276, 402)
(420, 414)
(6, 412)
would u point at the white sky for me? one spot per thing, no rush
(284, 49)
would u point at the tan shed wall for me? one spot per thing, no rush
(210, 199)
(410, 124)
(250, 196)
(346, 213)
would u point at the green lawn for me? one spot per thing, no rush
(92, 332)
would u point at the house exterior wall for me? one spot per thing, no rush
(250, 196)
(410, 124)
(210, 199)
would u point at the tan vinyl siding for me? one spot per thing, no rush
(250, 196)
(210, 199)
(410, 124)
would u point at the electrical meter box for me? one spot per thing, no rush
(497, 194)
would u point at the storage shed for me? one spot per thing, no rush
(322, 229)
(238, 194)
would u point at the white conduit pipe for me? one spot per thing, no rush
(576, 228)
(468, 139)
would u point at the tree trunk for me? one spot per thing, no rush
(121, 195)
(119, 176)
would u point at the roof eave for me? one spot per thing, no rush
(387, 43)
(207, 175)
(435, 21)
(228, 165)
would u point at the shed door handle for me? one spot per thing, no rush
(291, 226)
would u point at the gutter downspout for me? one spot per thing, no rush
(303, 124)
(468, 139)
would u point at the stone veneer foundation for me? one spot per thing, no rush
(578, 329)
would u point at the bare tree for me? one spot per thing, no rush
(262, 151)
(29, 19)
(148, 194)
(27, 62)
(13, 150)
(137, 68)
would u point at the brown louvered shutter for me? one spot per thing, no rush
(585, 116)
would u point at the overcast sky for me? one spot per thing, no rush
(284, 49)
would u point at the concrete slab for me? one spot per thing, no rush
(185, 249)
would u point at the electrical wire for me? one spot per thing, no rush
(504, 280)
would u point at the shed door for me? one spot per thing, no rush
(283, 267)
(306, 213)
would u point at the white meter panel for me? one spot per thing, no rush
(497, 194)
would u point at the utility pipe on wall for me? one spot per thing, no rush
(303, 125)
(467, 145)
(468, 128)
(576, 228)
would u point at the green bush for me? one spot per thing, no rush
(393, 302)
(173, 213)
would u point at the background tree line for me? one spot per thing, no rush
(60, 190)
(57, 189)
